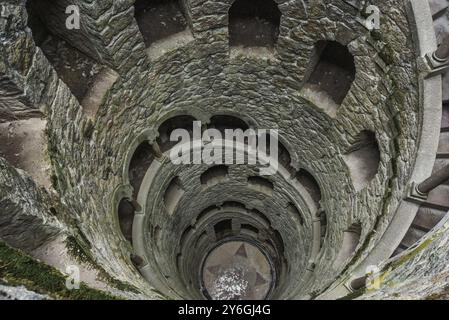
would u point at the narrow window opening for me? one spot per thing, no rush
(445, 118)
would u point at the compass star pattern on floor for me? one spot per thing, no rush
(237, 271)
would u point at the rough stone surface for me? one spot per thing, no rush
(19, 293)
(26, 219)
(90, 153)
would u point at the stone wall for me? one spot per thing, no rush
(27, 220)
(202, 78)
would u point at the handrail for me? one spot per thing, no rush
(442, 53)
(434, 181)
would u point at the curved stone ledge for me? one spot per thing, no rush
(430, 108)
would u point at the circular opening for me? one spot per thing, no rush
(237, 270)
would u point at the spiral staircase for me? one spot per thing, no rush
(89, 188)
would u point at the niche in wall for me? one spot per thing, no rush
(214, 175)
(88, 80)
(173, 195)
(233, 205)
(126, 212)
(139, 165)
(330, 76)
(254, 23)
(351, 239)
(308, 181)
(168, 126)
(160, 20)
(363, 159)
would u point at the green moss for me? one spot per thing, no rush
(81, 253)
(89, 129)
(77, 251)
(376, 35)
(387, 55)
(382, 277)
(403, 259)
(354, 295)
(443, 295)
(17, 268)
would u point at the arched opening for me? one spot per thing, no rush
(167, 127)
(88, 80)
(308, 181)
(214, 175)
(173, 195)
(126, 212)
(223, 229)
(284, 158)
(139, 165)
(330, 76)
(38, 28)
(254, 23)
(351, 239)
(159, 19)
(223, 122)
(363, 159)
